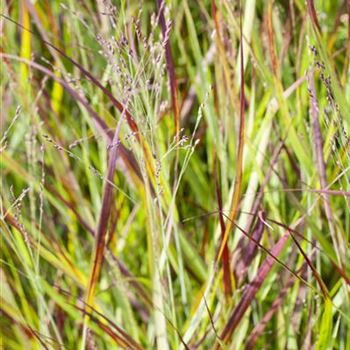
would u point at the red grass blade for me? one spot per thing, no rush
(249, 251)
(105, 213)
(252, 288)
(348, 7)
(342, 273)
(226, 254)
(308, 261)
(29, 331)
(257, 201)
(271, 40)
(239, 163)
(115, 332)
(312, 13)
(259, 328)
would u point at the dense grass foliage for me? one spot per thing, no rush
(175, 174)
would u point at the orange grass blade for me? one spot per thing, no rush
(239, 164)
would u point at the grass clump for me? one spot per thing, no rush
(175, 175)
